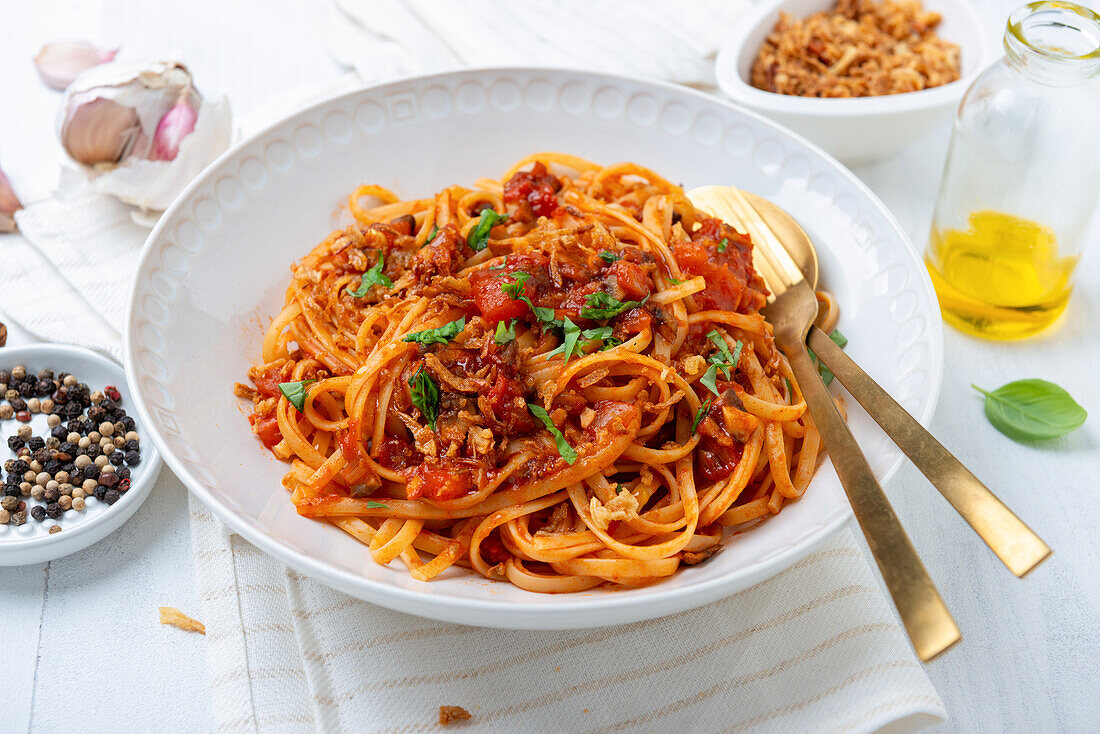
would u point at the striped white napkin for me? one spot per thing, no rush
(816, 648)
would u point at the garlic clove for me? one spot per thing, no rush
(60, 63)
(173, 128)
(9, 205)
(100, 131)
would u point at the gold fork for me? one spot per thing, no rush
(791, 309)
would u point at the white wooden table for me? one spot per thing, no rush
(82, 632)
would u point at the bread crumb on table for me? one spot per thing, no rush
(451, 714)
(176, 618)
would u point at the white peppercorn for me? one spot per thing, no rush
(36, 466)
(108, 447)
(34, 405)
(25, 432)
(66, 489)
(6, 412)
(106, 428)
(26, 488)
(43, 478)
(52, 443)
(107, 469)
(101, 461)
(54, 420)
(78, 493)
(37, 491)
(47, 407)
(64, 502)
(30, 475)
(5, 516)
(94, 436)
(73, 437)
(89, 486)
(132, 436)
(97, 397)
(84, 442)
(82, 461)
(78, 503)
(119, 442)
(52, 484)
(62, 477)
(69, 381)
(105, 442)
(54, 529)
(18, 372)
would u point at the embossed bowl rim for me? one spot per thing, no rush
(568, 611)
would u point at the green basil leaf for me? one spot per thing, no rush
(425, 395)
(601, 306)
(564, 449)
(790, 388)
(440, 335)
(295, 392)
(723, 244)
(372, 277)
(377, 505)
(572, 334)
(609, 257)
(710, 377)
(1032, 410)
(610, 343)
(675, 281)
(619, 489)
(479, 235)
(504, 334)
(431, 235)
(699, 415)
(599, 332)
(839, 339)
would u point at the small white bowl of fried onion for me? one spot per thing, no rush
(863, 129)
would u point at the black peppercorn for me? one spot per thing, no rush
(11, 490)
(93, 451)
(43, 388)
(36, 442)
(76, 477)
(41, 456)
(74, 426)
(15, 443)
(60, 396)
(111, 496)
(45, 374)
(91, 471)
(5, 376)
(51, 467)
(68, 447)
(100, 492)
(96, 413)
(38, 512)
(53, 511)
(20, 467)
(26, 389)
(59, 432)
(132, 457)
(123, 472)
(51, 495)
(18, 404)
(127, 423)
(71, 409)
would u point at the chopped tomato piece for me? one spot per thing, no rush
(632, 280)
(732, 284)
(493, 550)
(446, 479)
(267, 382)
(488, 293)
(537, 187)
(266, 429)
(509, 406)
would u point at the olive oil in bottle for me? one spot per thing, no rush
(1002, 278)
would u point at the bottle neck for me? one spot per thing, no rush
(1054, 42)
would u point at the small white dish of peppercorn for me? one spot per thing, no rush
(75, 465)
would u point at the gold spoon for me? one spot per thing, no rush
(791, 309)
(1006, 535)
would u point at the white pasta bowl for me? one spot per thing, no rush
(215, 270)
(856, 130)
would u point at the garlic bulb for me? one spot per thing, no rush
(9, 205)
(60, 63)
(141, 132)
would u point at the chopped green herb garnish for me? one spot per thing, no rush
(723, 360)
(619, 488)
(609, 257)
(440, 335)
(295, 392)
(790, 388)
(425, 395)
(371, 504)
(610, 343)
(372, 277)
(564, 449)
(675, 281)
(601, 306)
(431, 235)
(826, 374)
(709, 379)
(699, 415)
(480, 234)
(505, 334)
(723, 245)
(572, 335)
(515, 290)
